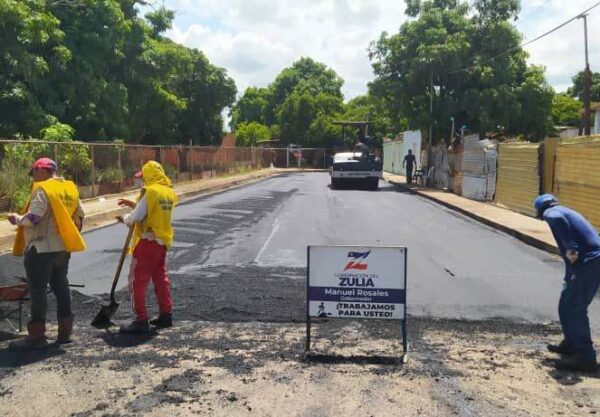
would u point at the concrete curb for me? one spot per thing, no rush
(98, 220)
(530, 240)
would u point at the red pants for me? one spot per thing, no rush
(149, 263)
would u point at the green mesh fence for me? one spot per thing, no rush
(108, 168)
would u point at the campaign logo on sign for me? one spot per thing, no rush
(357, 261)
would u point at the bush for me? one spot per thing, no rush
(58, 132)
(14, 181)
(74, 161)
(24, 154)
(109, 175)
(73, 158)
(106, 156)
(20, 197)
(171, 172)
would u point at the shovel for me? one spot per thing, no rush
(106, 312)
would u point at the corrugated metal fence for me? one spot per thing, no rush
(479, 168)
(518, 182)
(441, 163)
(577, 176)
(515, 174)
(393, 154)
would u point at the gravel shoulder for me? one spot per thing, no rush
(240, 353)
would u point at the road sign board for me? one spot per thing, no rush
(356, 282)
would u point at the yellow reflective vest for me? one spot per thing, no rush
(161, 199)
(63, 197)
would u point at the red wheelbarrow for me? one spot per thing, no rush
(11, 294)
(16, 293)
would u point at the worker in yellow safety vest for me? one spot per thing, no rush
(153, 234)
(48, 231)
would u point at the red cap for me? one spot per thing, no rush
(44, 163)
(138, 174)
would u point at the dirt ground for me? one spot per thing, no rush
(240, 353)
(258, 369)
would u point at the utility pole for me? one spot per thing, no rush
(587, 80)
(430, 107)
(429, 142)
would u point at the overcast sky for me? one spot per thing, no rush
(255, 39)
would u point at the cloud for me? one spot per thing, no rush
(562, 52)
(256, 39)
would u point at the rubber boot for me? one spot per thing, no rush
(163, 321)
(35, 339)
(577, 363)
(562, 348)
(65, 330)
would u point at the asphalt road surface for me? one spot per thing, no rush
(248, 245)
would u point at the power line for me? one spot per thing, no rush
(535, 11)
(522, 45)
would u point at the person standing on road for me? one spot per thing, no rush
(47, 234)
(579, 245)
(152, 236)
(362, 148)
(410, 162)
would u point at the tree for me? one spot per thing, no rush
(161, 20)
(252, 133)
(465, 63)
(297, 107)
(576, 90)
(99, 67)
(88, 92)
(372, 108)
(305, 76)
(423, 53)
(566, 111)
(32, 46)
(250, 107)
(535, 97)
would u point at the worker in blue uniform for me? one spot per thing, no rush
(579, 245)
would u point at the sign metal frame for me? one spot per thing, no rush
(403, 330)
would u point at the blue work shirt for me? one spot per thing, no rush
(572, 231)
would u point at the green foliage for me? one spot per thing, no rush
(171, 172)
(302, 97)
(305, 100)
(74, 161)
(109, 174)
(426, 61)
(31, 48)
(576, 90)
(101, 69)
(250, 134)
(566, 111)
(23, 155)
(371, 108)
(20, 197)
(161, 20)
(14, 181)
(58, 132)
(275, 132)
(250, 107)
(535, 97)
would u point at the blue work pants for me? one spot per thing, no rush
(578, 293)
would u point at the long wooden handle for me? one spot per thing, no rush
(121, 261)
